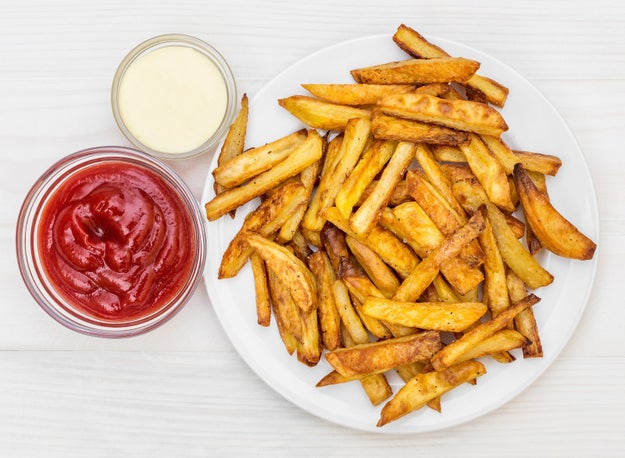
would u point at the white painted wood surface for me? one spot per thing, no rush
(182, 390)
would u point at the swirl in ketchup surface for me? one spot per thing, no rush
(117, 241)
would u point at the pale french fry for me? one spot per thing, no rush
(384, 355)
(489, 172)
(329, 319)
(437, 316)
(368, 214)
(499, 343)
(356, 137)
(348, 314)
(265, 220)
(303, 156)
(457, 114)
(451, 353)
(381, 275)
(555, 232)
(525, 321)
(254, 161)
(234, 143)
(363, 174)
(400, 194)
(394, 128)
(355, 94)
(263, 300)
(414, 44)
(292, 271)
(425, 387)
(418, 71)
(419, 279)
(318, 114)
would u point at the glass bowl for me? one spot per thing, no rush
(34, 235)
(166, 95)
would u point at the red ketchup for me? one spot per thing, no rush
(117, 241)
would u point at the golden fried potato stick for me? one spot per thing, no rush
(291, 270)
(303, 156)
(254, 161)
(501, 151)
(451, 353)
(499, 343)
(265, 220)
(309, 348)
(263, 299)
(355, 94)
(377, 270)
(368, 214)
(286, 312)
(425, 387)
(419, 279)
(348, 314)
(393, 128)
(318, 114)
(495, 288)
(459, 114)
(329, 318)
(384, 355)
(436, 316)
(414, 44)
(555, 232)
(525, 321)
(418, 71)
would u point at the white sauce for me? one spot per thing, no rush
(172, 99)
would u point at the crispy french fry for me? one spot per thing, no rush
(329, 319)
(418, 71)
(400, 194)
(303, 156)
(384, 355)
(414, 44)
(375, 327)
(266, 220)
(368, 214)
(294, 272)
(500, 342)
(457, 114)
(362, 175)
(412, 287)
(425, 387)
(263, 300)
(495, 288)
(538, 162)
(525, 321)
(501, 151)
(355, 94)
(437, 316)
(381, 275)
(286, 312)
(254, 161)
(356, 137)
(318, 114)
(309, 348)
(555, 232)
(394, 128)
(451, 353)
(348, 314)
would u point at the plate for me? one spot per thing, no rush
(535, 125)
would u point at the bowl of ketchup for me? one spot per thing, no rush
(111, 242)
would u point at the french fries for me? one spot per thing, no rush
(401, 223)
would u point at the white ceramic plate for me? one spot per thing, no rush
(534, 125)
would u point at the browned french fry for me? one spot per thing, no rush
(425, 387)
(437, 316)
(318, 114)
(286, 312)
(416, 45)
(355, 94)
(234, 143)
(499, 343)
(451, 353)
(263, 300)
(257, 160)
(525, 321)
(412, 287)
(329, 319)
(394, 128)
(495, 288)
(375, 327)
(369, 165)
(457, 114)
(381, 275)
(489, 172)
(303, 156)
(555, 232)
(348, 314)
(309, 348)
(537, 162)
(294, 272)
(356, 137)
(501, 151)
(418, 71)
(368, 214)
(384, 355)
(400, 194)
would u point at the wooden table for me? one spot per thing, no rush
(183, 390)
